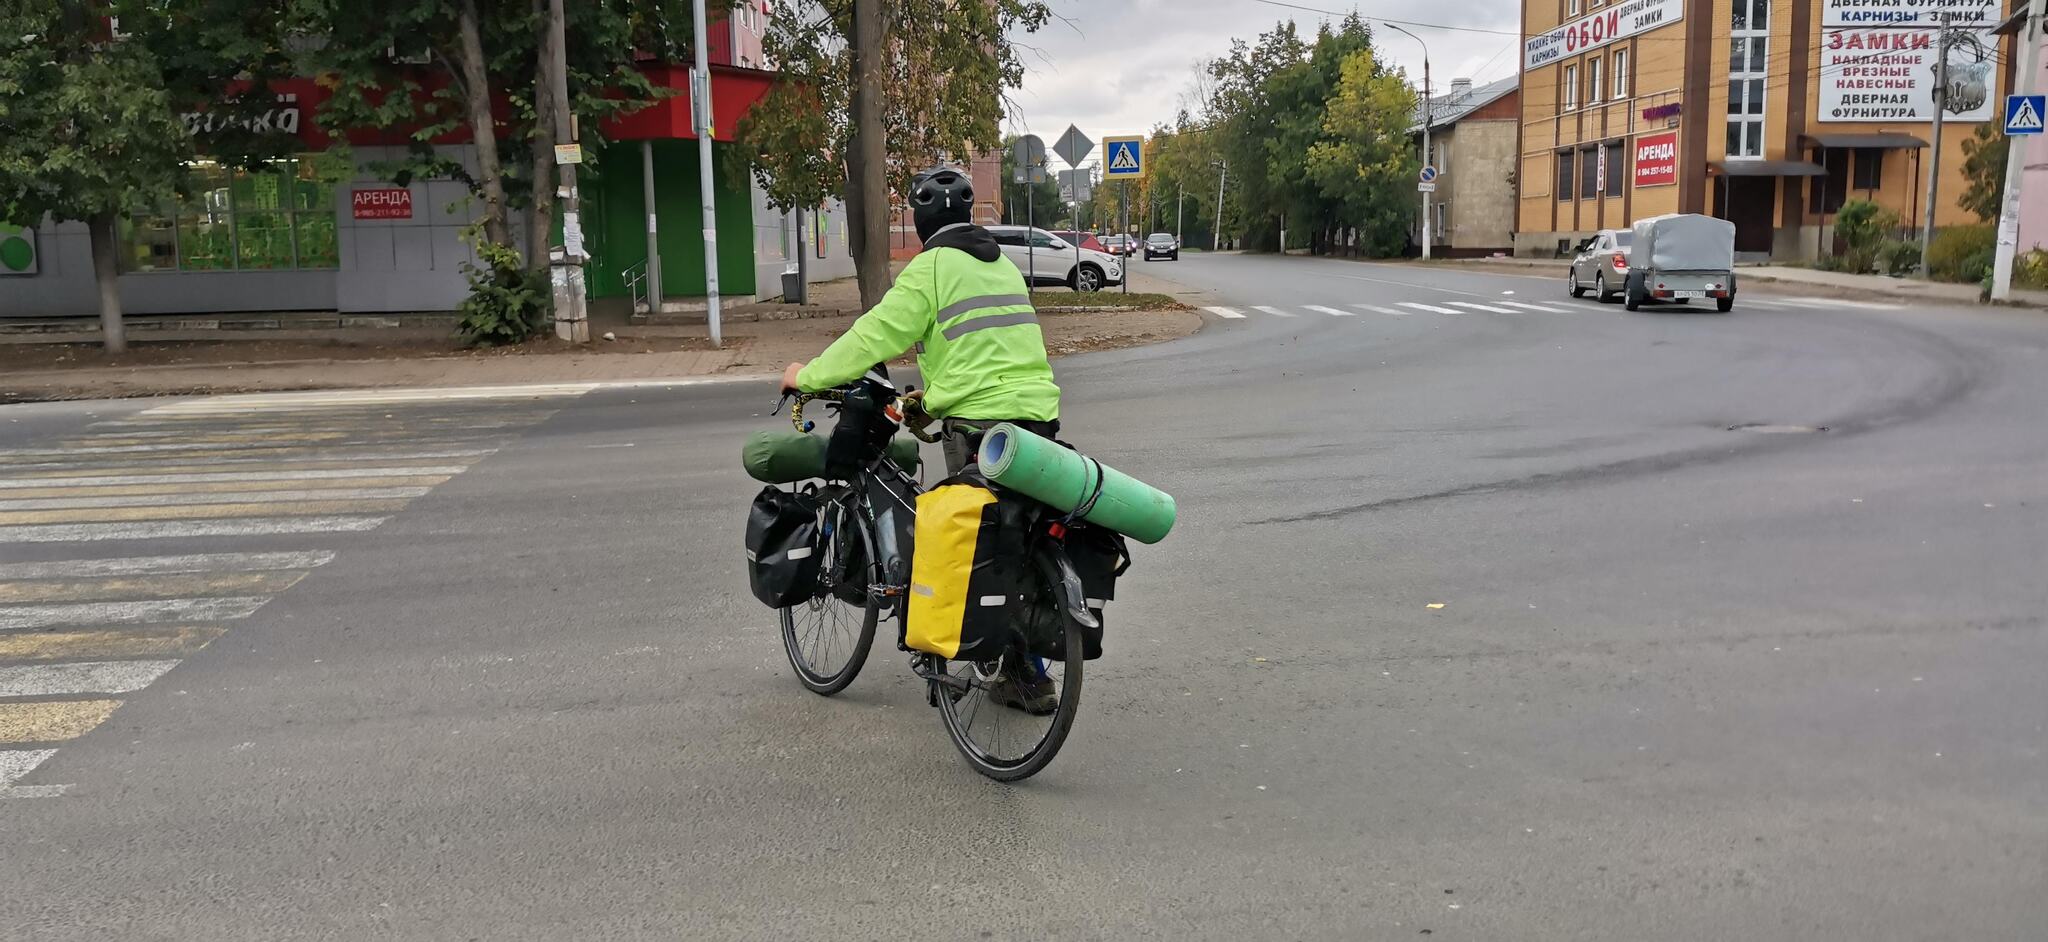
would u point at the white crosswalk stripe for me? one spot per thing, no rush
(1224, 312)
(164, 565)
(1481, 307)
(1276, 312)
(1376, 309)
(44, 680)
(1333, 312)
(1541, 308)
(205, 477)
(1837, 303)
(1431, 308)
(228, 608)
(168, 529)
(221, 497)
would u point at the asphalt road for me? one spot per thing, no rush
(1685, 682)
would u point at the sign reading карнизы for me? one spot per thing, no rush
(1619, 21)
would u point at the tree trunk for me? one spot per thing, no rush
(540, 220)
(867, 165)
(106, 270)
(483, 128)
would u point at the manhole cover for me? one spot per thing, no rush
(1766, 428)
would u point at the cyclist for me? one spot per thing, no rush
(965, 309)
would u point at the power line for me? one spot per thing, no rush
(1382, 19)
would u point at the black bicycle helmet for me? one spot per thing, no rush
(940, 197)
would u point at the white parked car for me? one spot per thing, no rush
(1046, 259)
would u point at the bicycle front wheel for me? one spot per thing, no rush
(1009, 717)
(827, 638)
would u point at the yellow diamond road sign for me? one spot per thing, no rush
(1123, 158)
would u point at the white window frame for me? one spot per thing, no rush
(1618, 82)
(1571, 7)
(1571, 88)
(1753, 34)
(1593, 90)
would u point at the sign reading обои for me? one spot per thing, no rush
(1591, 32)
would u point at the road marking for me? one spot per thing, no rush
(214, 467)
(1431, 308)
(255, 490)
(242, 457)
(1759, 302)
(1224, 312)
(1831, 303)
(104, 643)
(146, 587)
(1333, 312)
(198, 511)
(137, 565)
(48, 680)
(1376, 309)
(220, 497)
(1410, 284)
(1276, 312)
(1540, 308)
(15, 763)
(278, 402)
(13, 617)
(169, 529)
(197, 477)
(52, 721)
(1481, 307)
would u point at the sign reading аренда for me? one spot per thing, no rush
(1619, 21)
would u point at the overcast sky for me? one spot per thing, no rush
(1123, 66)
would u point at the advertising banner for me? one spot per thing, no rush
(1619, 21)
(1657, 159)
(1888, 75)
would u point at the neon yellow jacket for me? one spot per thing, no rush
(964, 306)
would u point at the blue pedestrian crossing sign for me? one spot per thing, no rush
(1123, 158)
(2023, 113)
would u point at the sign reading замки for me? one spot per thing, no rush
(1591, 32)
(1888, 74)
(1971, 14)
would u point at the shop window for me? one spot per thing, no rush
(1617, 167)
(1564, 175)
(280, 217)
(1589, 173)
(1869, 168)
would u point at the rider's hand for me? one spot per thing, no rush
(789, 377)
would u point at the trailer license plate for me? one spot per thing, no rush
(1688, 294)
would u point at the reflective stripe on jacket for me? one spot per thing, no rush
(979, 344)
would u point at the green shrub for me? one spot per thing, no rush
(507, 304)
(1830, 263)
(1863, 226)
(2031, 270)
(1956, 250)
(1898, 257)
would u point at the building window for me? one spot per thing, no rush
(1620, 79)
(1589, 173)
(1564, 175)
(1748, 54)
(278, 218)
(1593, 81)
(1571, 87)
(1617, 167)
(1869, 168)
(1571, 7)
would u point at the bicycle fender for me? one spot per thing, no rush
(1068, 584)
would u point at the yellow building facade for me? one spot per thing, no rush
(1768, 113)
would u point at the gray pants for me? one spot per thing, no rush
(962, 437)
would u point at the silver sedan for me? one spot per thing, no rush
(1601, 265)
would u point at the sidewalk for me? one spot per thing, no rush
(1785, 276)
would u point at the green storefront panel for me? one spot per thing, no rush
(615, 229)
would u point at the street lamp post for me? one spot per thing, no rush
(1428, 120)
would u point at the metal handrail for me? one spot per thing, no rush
(635, 277)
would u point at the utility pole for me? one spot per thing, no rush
(1222, 177)
(803, 267)
(572, 320)
(1180, 214)
(2016, 160)
(1428, 120)
(653, 249)
(700, 99)
(1934, 156)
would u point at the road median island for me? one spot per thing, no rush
(46, 371)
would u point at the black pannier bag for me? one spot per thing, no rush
(782, 547)
(862, 434)
(1099, 556)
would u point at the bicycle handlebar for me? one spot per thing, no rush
(907, 410)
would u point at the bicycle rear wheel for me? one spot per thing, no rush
(1005, 741)
(827, 638)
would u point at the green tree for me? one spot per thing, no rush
(1984, 169)
(940, 70)
(1363, 163)
(87, 131)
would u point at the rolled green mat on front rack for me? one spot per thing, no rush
(1047, 471)
(789, 456)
